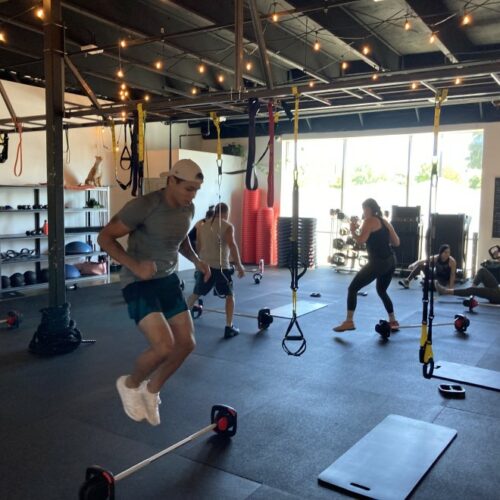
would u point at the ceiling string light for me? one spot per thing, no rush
(316, 45)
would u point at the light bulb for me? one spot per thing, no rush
(311, 84)
(220, 78)
(248, 66)
(466, 20)
(458, 80)
(366, 50)
(2, 37)
(158, 65)
(123, 86)
(194, 91)
(344, 65)
(407, 25)
(119, 73)
(414, 85)
(275, 17)
(123, 44)
(432, 39)
(375, 76)
(146, 97)
(201, 68)
(124, 114)
(316, 46)
(39, 13)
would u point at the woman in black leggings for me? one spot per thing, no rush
(379, 236)
(490, 291)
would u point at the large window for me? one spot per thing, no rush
(393, 169)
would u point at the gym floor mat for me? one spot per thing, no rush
(472, 375)
(389, 461)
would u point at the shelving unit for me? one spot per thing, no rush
(83, 229)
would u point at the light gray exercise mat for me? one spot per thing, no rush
(471, 375)
(303, 307)
(389, 461)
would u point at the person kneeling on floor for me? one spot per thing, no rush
(216, 244)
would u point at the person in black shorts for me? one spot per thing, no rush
(380, 237)
(216, 246)
(444, 270)
(157, 225)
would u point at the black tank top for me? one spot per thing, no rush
(443, 269)
(377, 244)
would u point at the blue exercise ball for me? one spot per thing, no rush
(76, 247)
(71, 271)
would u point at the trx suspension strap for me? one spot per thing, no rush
(270, 173)
(218, 161)
(426, 355)
(294, 261)
(137, 150)
(125, 156)
(250, 178)
(114, 147)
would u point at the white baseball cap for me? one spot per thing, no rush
(187, 170)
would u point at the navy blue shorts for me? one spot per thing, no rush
(158, 295)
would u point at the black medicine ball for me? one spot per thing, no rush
(44, 276)
(17, 279)
(30, 277)
(5, 282)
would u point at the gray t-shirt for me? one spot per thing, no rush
(156, 232)
(212, 244)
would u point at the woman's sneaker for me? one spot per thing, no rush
(131, 400)
(151, 403)
(345, 326)
(404, 283)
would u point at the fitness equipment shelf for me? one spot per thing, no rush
(89, 222)
(344, 246)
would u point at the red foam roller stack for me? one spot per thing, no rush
(264, 239)
(251, 204)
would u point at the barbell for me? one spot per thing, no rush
(13, 319)
(461, 323)
(264, 317)
(99, 483)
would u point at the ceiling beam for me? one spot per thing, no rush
(264, 57)
(450, 38)
(433, 74)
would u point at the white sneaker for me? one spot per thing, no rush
(131, 400)
(151, 404)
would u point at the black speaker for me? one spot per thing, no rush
(405, 214)
(452, 229)
(406, 223)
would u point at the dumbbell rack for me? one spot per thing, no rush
(344, 247)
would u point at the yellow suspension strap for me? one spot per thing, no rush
(218, 161)
(426, 355)
(294, 259)
(114, 146)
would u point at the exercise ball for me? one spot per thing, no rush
(76, 247)
(71, 271)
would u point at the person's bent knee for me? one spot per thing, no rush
(186, 345)
(163, 349)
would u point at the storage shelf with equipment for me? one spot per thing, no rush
(23, 254)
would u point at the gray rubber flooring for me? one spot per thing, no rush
(295, 415)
